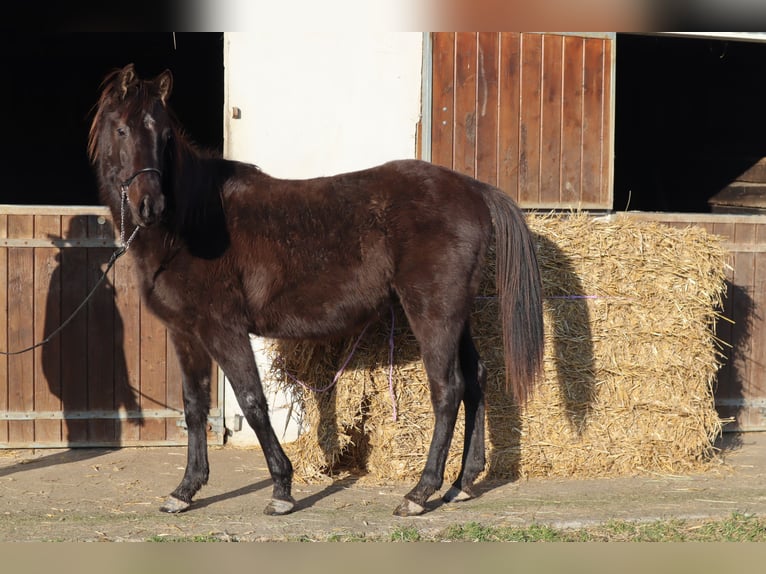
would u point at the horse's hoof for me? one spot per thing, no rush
(409, 508)
(279, 507)
(173, 505)
(454, 494)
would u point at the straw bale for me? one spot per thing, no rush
(629, 367)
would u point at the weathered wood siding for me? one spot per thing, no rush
(528, 112)
(111, 377)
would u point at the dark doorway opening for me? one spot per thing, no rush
(689, 120)
(51, 83)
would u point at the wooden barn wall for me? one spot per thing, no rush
(741, 387)
(111, 377)
(528, 112)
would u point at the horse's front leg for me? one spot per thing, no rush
(196, 367)
(235, 356)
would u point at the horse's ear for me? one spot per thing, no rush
(127, 79)
(164, 85)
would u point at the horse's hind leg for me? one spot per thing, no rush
(446, 384)
(235, 356)
(195, 368)
(475, 378)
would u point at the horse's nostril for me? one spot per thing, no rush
(146, 208)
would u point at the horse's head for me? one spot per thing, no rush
(131, 139)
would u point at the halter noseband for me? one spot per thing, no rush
(126, 184)
(123, 201)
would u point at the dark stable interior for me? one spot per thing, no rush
(52, 82)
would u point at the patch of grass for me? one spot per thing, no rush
(736, 528)
(194, 538)
(475, 532)
(405, 534)
(739, 527)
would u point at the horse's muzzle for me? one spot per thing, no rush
(150, 210)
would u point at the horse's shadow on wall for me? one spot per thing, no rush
(85, 365)
(83, 377)
(344, 437)
(735, 330)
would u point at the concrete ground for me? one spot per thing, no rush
(114, 495)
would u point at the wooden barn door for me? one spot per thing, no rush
(111, 377)
(528, 112)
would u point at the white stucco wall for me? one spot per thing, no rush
(314, 104)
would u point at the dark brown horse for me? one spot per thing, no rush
(224, 251)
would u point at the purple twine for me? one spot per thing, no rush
(337, 375)
(348, 360)
(570, 297)
(391, 366)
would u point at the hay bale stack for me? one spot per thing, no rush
(630, 362)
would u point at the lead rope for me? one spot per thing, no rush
(119, 252)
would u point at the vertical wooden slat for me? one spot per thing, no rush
(4, 388)
(572, 128)
(744, 267)
(605, 198)
(443, 108)
(47, 318)
(550, 159)
(594, 102)
(465, 103)
(756, 386)
(508, 113)
(21, 331)
(530, 136)
(127, 333)
(487, 107)
(725, 329)
(758, 382)
(100, 336)
(174, 395)
(153, 373)
(74, 340)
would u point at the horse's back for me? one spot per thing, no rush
(322, 256)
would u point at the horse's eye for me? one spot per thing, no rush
(122, 132)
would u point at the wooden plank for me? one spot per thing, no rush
(550, 159)
(744, 276)
(127, 334)
(757, 383)
(62, 210)
(174, 393)
(487, 107)
(47, 318)
(153, 371)
(20, 328)
(100, 336)
(4, 387)
(529, 128)
(74, 340)
(606, 198)
(509, 113)
(466, 58)
(443, 105)
(572, 126)
(593, 112)
(725, 327)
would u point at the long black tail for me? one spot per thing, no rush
(520, 292)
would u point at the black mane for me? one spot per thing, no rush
(193, 184)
